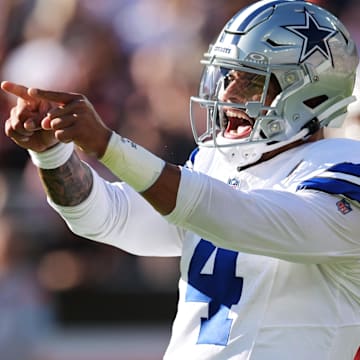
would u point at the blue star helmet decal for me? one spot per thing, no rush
(315, 37)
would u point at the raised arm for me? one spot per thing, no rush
(47, 123)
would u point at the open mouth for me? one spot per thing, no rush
(239, 124)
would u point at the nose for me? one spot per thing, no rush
(232, 93)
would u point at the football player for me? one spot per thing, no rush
(265, 214)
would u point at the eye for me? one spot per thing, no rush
(229, 77)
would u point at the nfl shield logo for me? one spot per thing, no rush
(343, 206)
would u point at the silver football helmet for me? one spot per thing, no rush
(278, 71)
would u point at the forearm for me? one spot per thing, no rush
(146, 173)
(162, 194)
(68, 181)
(68, 184)
(115, 214)
(71, 183)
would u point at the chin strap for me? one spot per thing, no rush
(244, 156)
(313, 126)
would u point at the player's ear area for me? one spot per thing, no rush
(350, 128)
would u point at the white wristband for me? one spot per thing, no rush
(54, 157)
(132, 163)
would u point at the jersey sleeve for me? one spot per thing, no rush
(306, 226)
(340, 179)
(117, 215)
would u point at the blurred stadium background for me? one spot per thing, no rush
(63, 297)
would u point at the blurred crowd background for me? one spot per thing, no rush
(138, 61)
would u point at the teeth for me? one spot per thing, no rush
(239, 115)
(233, 114)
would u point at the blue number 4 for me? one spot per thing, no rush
(220, 289)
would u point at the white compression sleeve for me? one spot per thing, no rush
(132, 163)
(52, 158)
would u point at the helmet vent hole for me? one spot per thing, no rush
(273, 43)
(315, 101)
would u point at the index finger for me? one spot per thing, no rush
(16, 89)
(58, 97)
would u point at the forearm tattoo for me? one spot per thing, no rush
(69, 184)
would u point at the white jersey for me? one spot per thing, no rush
(270, 255)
